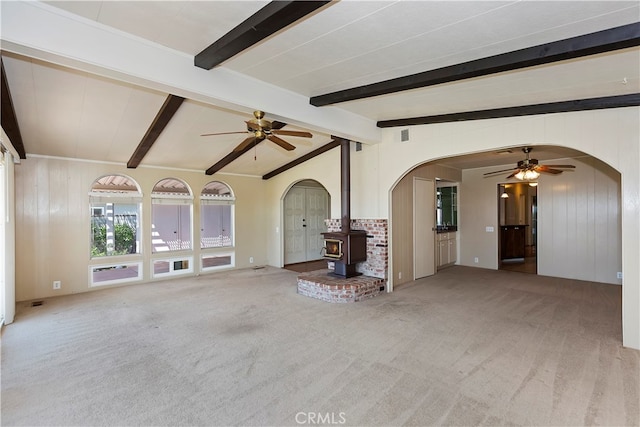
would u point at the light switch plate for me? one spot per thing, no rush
(489, 229)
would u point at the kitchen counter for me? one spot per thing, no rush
(446, 228)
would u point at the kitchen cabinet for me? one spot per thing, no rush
(512, 242)
(447, 248)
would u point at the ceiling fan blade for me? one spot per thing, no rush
(560, 166)
(245, 143)
(513, 174)
(222, 133)
(292, 133)
(281, 142)
(277, 125)
(504, 170)
(547, 169)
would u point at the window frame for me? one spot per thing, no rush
(225, 199)
(172, 271)
(177, 199)
(116, 197)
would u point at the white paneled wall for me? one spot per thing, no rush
(579, 223)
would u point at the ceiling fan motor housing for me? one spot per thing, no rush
(527, 163)
(259, 124)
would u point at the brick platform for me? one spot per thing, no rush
(321, 285)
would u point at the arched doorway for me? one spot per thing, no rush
(577, 217)
(306, 206)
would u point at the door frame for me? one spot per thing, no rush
(281, 229)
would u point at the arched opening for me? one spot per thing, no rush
(305, 209)
(577, 221)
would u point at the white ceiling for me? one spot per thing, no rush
(74, 111)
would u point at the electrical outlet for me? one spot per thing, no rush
(250, 260)
(400, 275)
(57, 284)
(619, 275)
(476, 260)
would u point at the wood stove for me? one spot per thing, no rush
(346, 247)
(332, 248)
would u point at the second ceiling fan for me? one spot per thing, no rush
(529, 169)
(261, 129)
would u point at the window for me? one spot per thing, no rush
(115, 212)
(216, 216)
(172, 266)
(110, 274)
(217, 261)
(171, 212)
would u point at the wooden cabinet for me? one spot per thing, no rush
(447, 248)
(512, 242)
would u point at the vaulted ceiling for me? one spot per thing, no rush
(138, 83)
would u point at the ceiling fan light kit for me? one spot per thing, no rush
(527, 175)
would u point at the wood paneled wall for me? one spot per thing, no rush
(579, 221)
(402, 219)
(53, 228)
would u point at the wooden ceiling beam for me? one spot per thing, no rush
(310, 155)
(235, 154)
(630, 100)
(167, 111)
(575, 47)
(8, 116)
(275, 16)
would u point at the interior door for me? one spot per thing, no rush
(424, 220)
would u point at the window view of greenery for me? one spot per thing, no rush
(114, 234)
(115, 213)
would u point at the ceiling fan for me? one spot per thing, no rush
(260, 129)
(529, 169)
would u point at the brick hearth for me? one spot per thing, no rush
(377, 261)
(321, 285)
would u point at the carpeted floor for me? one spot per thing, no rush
(305, 267)
(465, 347)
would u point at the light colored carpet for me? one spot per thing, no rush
(465, 347)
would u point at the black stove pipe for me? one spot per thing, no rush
(345, 185)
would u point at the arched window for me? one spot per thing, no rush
(171, 211)
(216, 225)
(115, 203)
(216, 216)
(115, 216)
